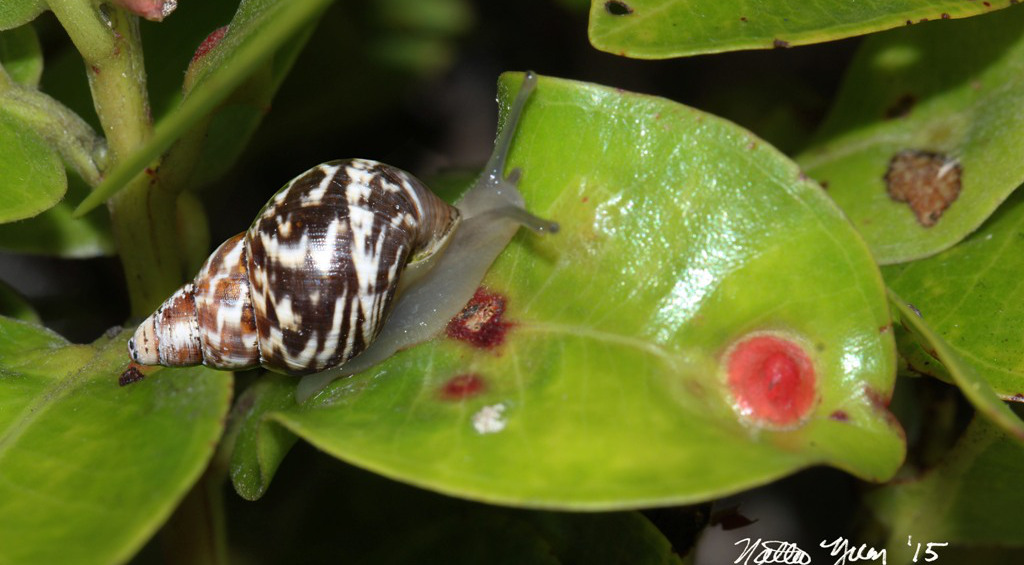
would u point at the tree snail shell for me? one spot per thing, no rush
(309, 284)
(313, 282)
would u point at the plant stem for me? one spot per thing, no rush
(143, 215)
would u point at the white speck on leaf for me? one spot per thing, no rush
(489, 420)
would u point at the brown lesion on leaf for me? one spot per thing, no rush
(779, 44)
(927, 181)
(481, 322)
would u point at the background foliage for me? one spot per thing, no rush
(716, 196)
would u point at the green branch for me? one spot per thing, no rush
(143, 215)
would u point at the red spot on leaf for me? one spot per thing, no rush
(463, 386)
(480, 323)
(772, 380)
(839, 416)
(210, 42)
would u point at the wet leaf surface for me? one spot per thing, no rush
(682, 235)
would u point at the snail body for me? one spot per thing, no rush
(351, 261)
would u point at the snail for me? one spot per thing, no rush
(350, 262)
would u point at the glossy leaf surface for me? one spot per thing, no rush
(971, 499)
(681, 235)
(971, 296)
(33, 176)
(658, 29)
(949, 89)
(90, 469)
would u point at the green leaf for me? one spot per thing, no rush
(260, 28)
(32, 178)
(259, 445)
(90, 469)
(14, 305)
(609, 390)
(170, 45)
(14, 13)
(214, 144)
(962, 373)
(21, 55)
(973, 498)
(58, 233)
(971, 297)
(946, 93)
(658, 29)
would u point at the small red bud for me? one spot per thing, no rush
(152, 10)
(209, 43)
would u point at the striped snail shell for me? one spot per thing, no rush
(351, 260)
